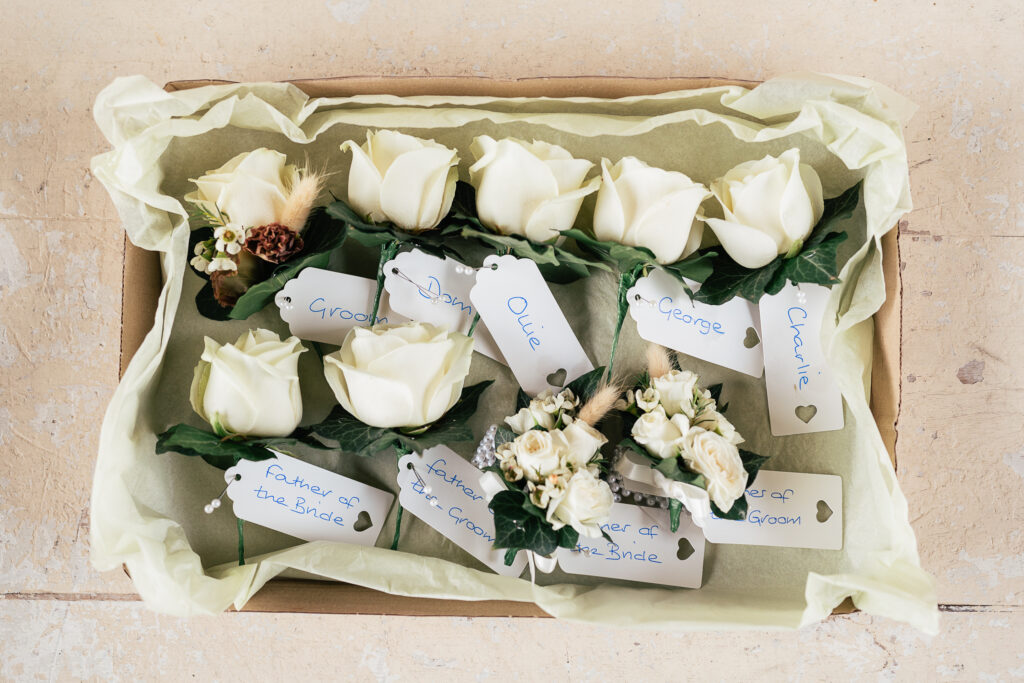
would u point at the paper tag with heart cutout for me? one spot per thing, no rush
(802, 394)
(787, 509)
(443, 490)
(728, 335)
(308, 502)
(538, 344)
(322, 305)
(436, 290)
(642, 549)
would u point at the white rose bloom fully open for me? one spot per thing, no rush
(770, 205)
(659, 434)
(403, 179)
(399, 375)
(250, 387)
(538, 454)
(675, 389)
(644, 206)
(585, 506)
(530, 189)
(251, 189)
(719, 461)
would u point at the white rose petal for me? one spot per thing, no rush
(655, 432)
(529, 417)
(530, 189)
(250, 387)
(644, 206)
(251, 189)
(399, 375)
(403, 179)
(770, 205)
(583, 442)
(676, 391)
(537, 454)
(719, 461)
(585, 505)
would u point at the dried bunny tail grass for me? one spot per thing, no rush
(659, 362)
(603, 400)
(301, 199)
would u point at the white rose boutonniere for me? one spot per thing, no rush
(402, 179)
(250, 387)
(642, 206)
(531, 189)
(584, 506)
(770, 207)
(716, 458)
(399, 376)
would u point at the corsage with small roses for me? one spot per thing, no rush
(681, 446)
(544, 470)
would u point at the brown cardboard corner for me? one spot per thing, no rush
(142, 285)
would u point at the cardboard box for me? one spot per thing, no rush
(142, 278)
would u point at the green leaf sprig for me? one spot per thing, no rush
(813, 262)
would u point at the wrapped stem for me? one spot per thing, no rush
(626, 281)
(241, 544)
(387, 252)
(400, 451)
(472, 325)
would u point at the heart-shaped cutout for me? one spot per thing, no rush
(751, 340)
(685, 549)
(363, 521)
(806, 413)
(556, 378)
(824, 511)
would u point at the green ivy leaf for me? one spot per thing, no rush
(815, 263)
(569, 537)
(356, 437)
(516, 528)
(503, 434)
(435, 242)
(221, 453)
(558, 262)
(627, 258)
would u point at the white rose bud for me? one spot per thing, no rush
(719, 461)
(676, 391)
(251, 189)
(528, 189)
(658, 434)
(644, 206)
(399, 375)
(529, 417)
(585, 506)
(583, 443)
(770, 206)
(399, 178)
(250, 387)
(537, 454)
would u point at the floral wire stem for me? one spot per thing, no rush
(472, 325)
(401, 451)
(241, 544)
(387, 252)
(626, 281)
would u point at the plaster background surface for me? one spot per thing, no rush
(961, 445)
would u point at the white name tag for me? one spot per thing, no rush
(642, 549)
(514, 301)
(322, 305)
(802, 394)
(434, 290)
(787, 509)
(447, 496)
(728, 335)
(307, 502)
